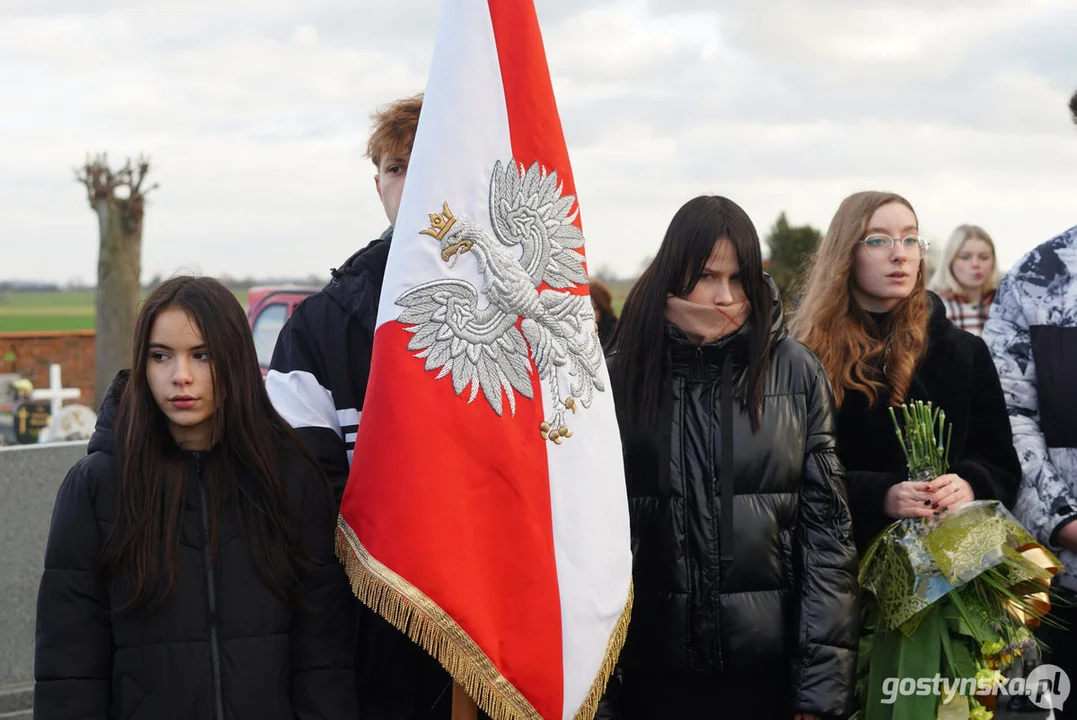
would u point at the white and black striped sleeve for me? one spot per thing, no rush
(316, 380)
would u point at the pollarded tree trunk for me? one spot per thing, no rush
(119, 265)
(118, 199)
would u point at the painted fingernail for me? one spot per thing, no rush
(927, 502)
(935, 513)
(946, 508)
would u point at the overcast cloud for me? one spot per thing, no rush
(255, 114)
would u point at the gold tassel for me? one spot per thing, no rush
(421, 619)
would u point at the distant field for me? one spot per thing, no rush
(41, 311)
(48, 311)
(619, 291)
(52, 311)
(37, 323)
(14, 299)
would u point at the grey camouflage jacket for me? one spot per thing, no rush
(1032, 334)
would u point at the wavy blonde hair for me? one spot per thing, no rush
(943, 281)
(836, 328)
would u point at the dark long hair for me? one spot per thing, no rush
(243, 468)
(638, 344)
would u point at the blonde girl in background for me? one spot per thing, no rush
(967, 278)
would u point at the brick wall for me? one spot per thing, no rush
(35, 351)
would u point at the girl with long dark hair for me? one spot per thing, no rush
(190, 568)
(744, 568)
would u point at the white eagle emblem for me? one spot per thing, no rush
(536, 243)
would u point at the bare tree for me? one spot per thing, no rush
(119, 200)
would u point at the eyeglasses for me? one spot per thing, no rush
(882, 244)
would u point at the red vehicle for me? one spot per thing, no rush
(268, 307)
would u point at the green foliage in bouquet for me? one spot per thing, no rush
(945, 597)
(922, 439)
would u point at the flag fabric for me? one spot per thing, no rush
(486, 515)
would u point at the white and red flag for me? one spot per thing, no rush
(485, 514)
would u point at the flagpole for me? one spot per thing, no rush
(463, 707)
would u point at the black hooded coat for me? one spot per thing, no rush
(224, 646)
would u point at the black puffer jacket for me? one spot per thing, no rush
(766, 583)
(324, 351)
(224, 646)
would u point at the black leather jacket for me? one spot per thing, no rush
(766, 583)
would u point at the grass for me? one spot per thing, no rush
(619, 291)
(61, 310)
(38, 323)
(53, 311)
(46, 311)
(12, 300)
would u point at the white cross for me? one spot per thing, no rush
(57, 393)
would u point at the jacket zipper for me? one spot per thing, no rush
(712, 490)
(215, 650)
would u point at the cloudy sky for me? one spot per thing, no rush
(255, 114)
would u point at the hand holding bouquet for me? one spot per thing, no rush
(952, 595)
(930, 491)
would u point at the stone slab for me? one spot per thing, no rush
(29, 478)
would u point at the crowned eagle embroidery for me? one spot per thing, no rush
(535, 243)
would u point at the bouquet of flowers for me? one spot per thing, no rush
(948, 601)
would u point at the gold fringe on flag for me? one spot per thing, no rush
(421, 619)
(613, 651)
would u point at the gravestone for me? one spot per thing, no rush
(56, 393)
(29, 478)
(75, 422)
(14, 389)
(29, 419)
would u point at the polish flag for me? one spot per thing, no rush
(485, 515)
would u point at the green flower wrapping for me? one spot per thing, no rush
(946, 596)
(915, 562)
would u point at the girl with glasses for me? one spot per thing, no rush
(884, 340)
